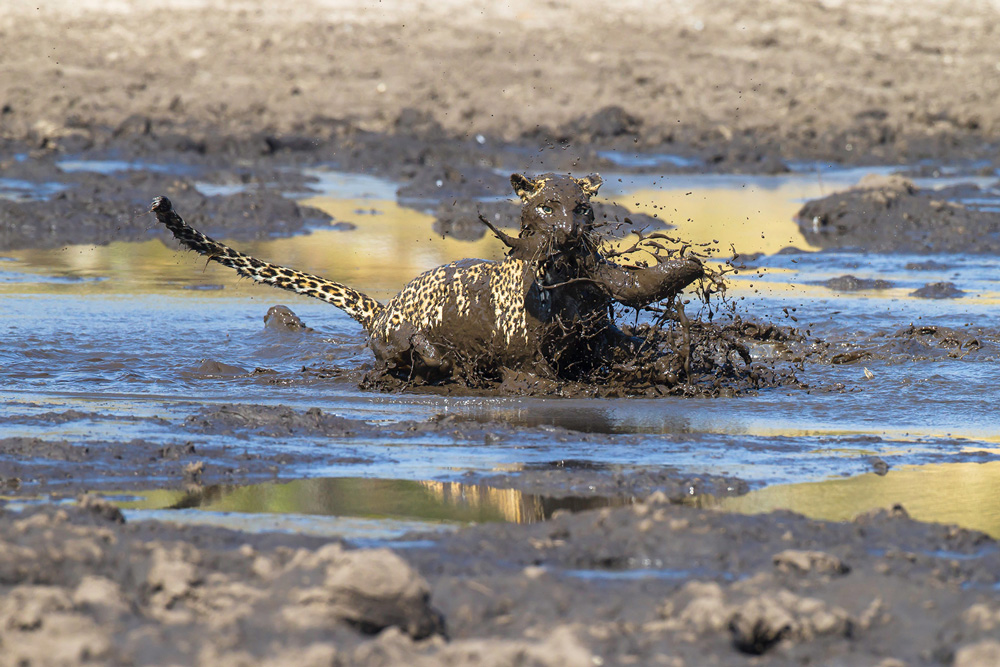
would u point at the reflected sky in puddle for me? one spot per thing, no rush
(114, 166)
(119, 329)
(19, 190)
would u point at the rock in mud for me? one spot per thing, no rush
(890, 214)
(281, 318)
(797, 560)
(849, 283)
(942, 290)
(762, 621)
(377, 589)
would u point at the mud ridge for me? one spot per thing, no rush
(893, 215)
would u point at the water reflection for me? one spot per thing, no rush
(959, 493)
(390, 246)
(425, 501)
(753, 214)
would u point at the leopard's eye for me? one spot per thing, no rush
(545, 209)
(582, 209)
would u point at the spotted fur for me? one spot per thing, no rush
(360, 306)
(545, 305)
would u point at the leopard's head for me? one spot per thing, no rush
(556, 209)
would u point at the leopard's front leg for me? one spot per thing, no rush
(641, 286)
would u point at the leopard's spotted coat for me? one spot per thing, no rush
(545, 296)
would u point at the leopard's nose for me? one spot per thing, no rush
(566, 229)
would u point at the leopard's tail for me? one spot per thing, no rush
(360, 306)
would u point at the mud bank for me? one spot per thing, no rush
(868, 83)
(700, 585)
(98, 209)
(34, 467)
(893, 215)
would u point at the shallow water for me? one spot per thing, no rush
(120, 333)
(363, 508)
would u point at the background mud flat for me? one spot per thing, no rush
(443, 98)
(743, 83)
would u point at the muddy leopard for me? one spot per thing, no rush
(545, 308)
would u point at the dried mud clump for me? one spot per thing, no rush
(79, 587)
(890, 214)
(943, 290)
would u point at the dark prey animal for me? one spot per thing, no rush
(544, 309)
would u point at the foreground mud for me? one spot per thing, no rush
(702, 588)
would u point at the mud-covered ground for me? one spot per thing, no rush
(650, 584)
(444, 98)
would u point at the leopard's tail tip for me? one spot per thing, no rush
(160, 205)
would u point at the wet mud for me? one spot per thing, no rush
(893, 215)
(849, 283)
(94, 208)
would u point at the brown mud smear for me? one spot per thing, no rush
(890, 214)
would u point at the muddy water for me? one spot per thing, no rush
(365, 508)
(129, 332)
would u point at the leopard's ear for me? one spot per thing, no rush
(590, 184)
(524, 186)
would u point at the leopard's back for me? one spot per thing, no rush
(469, 302)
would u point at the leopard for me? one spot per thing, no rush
(545, 308)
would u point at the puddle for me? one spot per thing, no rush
(19, 190)
(641, 573)
(650, 160)
(115, 166)
(959, 493)
(352, 508)
(122, 330)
